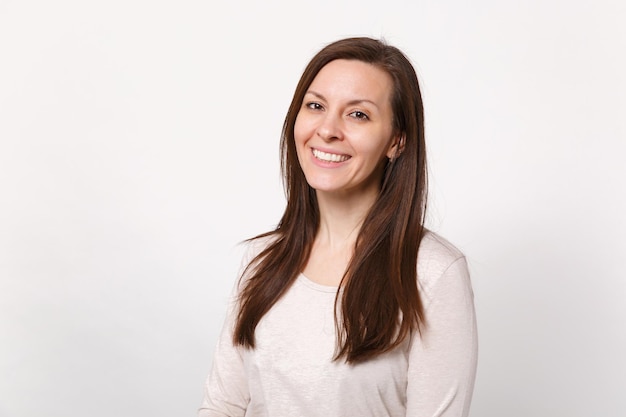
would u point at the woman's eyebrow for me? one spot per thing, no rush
(350, 103)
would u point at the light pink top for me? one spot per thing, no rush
(291, 373)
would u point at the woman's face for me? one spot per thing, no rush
(344, 131)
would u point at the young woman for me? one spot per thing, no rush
(350, 307)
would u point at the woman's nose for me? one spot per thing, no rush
(330, 128)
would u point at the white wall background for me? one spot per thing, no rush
(139, 144)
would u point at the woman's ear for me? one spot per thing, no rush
(397, 147)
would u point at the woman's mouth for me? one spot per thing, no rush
(329, 157)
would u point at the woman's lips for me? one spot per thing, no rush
(329, 157)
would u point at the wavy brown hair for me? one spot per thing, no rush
(380, 304)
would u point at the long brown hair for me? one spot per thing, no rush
(380, 303)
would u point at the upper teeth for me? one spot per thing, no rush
(329, 157)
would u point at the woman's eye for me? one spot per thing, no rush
(314, 106)
(359, 115)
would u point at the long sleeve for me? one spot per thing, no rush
(443, 359)
(226, 391)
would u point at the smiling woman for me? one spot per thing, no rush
(350, 306)
(344, 131)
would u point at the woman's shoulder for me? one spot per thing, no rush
(255, 245)
(249, 249)
(435, 246)
(436, 255)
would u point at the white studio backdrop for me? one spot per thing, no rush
(139, 145)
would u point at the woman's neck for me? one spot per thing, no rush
(340, 222)
(341, 219)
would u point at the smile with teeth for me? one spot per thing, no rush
(329, 157)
